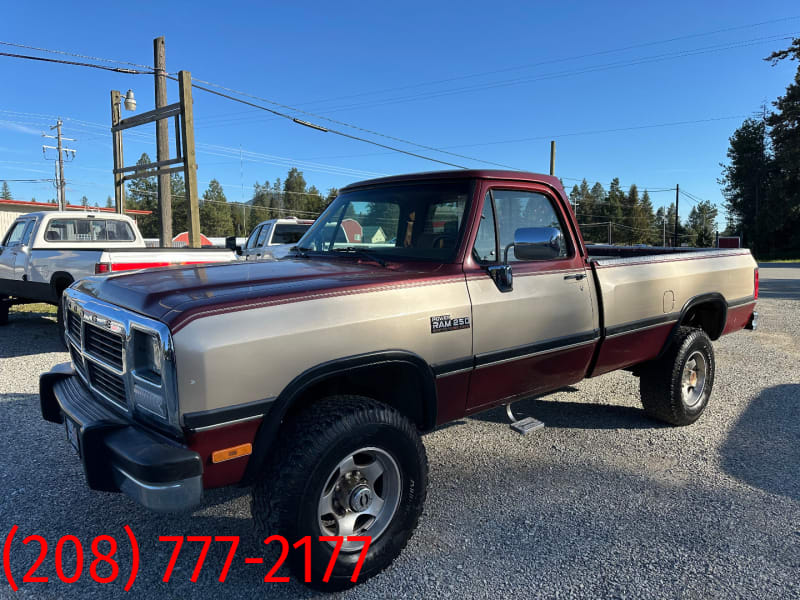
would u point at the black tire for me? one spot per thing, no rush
(660, 383)
(310, 445)
(5, 306)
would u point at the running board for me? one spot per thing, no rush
(522, 426)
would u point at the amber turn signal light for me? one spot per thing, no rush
(219, 456)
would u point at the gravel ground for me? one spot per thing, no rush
(602, 503)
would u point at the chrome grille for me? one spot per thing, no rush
(107, 383)
(108, 345)
(103, 345)
(77, 359)
(74, 325)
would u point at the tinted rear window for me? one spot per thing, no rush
(288, 234)
(88, 230)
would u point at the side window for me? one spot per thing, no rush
(262, 237)
(515, 209)
(485, 242)
(251, 241)
(26, 236)
(14, 235)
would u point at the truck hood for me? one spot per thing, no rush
(177, 295)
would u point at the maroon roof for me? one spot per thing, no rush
(461, 174)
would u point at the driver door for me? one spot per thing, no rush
(540, 334)
(10, 250)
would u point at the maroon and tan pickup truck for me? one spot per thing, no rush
(411, 302)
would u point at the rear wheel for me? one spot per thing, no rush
(346, 466)
(676, 388)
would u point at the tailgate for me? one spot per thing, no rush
(115, 260)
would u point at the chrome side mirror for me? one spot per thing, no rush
(502, 277)
(536, 243)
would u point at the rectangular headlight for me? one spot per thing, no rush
(148, 356)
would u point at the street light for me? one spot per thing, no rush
(130, 101)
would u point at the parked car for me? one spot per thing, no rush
(273, 238)
(43, 253)
(311, 378)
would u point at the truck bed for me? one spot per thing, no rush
(644, 292)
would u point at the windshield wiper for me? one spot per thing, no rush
(366, 254)
(300, 251)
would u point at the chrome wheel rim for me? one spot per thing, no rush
(693, 380)
(360, 497)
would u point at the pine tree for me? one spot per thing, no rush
(215, 214)
(702, 224)
(646, 220)
(109, 202)
(84, 201)
(5, 194)
(143, 195)
(746, 183)
(180, 207)
(630, 209)
(778, 225)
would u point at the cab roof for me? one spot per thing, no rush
(461, 174)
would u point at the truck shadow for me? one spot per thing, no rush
(762, 449)
(28, 335)
(573, 415)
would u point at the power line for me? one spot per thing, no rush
(350, 125)
(324, 129)
(568, 73)
(557, 60)
(65, 53)
(77, 64)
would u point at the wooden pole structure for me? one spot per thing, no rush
(189, 160)
(162, 143)
(116, 137)
(553, 157)
(677, 200)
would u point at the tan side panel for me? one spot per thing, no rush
(540, 307)
(251, 355)
(634, 292)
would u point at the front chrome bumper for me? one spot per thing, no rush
(118, 455)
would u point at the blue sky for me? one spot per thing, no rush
(495, 81)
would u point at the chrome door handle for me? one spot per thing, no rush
(576, 276)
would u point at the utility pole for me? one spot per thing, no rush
(116, 138)
(189, 159)
(162, 143)
(60, 183)
(553, 157)
(609, 233)
(664, 223)
(677, 200)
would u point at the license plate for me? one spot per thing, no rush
(72, 434)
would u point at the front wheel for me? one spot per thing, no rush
(347, 466)
(676, 388)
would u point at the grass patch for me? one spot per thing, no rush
(42, 309)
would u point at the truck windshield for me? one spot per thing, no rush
(399, 222)
(88, 230)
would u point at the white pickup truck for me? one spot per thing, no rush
(43, 253)
(273, 238)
